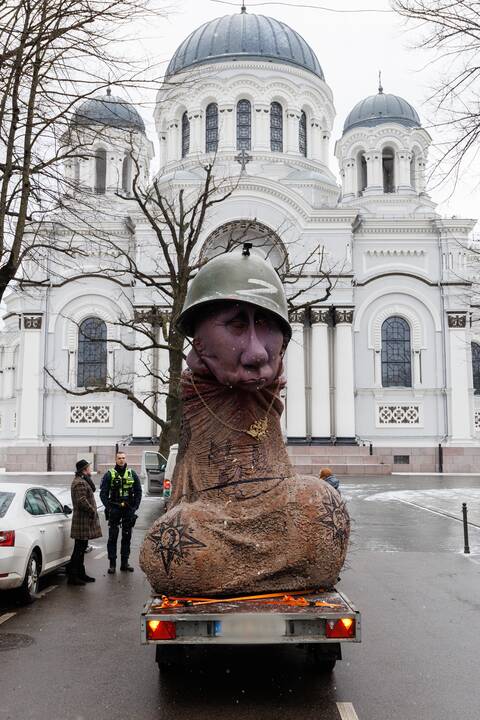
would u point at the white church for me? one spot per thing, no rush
(380, 374)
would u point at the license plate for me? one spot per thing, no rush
(250, 628)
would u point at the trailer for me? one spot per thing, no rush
(321, 622)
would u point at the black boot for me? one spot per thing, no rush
(125, 567)
(74, 579)
(86, 578)
(113, 567)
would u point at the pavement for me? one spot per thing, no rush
(75, 654)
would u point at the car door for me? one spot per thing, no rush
(46, 525)
(63, 524)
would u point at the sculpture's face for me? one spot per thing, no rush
(242, 345)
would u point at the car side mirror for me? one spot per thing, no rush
(67, 510)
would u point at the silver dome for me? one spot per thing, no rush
(381, 108)
(244, 35)
(110, 111)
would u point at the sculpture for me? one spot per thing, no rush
(241, 520)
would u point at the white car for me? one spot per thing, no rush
(34, 536)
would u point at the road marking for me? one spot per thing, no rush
(101, 555)
(347, 711)
(442, 513)
(7, 616)
(46, 591)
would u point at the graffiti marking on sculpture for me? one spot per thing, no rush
(333, 518)
(172, 541)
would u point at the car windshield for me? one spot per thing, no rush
(5, 502)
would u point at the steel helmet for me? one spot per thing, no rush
(237, 276)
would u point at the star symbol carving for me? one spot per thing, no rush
(335, 519)
(172, 540)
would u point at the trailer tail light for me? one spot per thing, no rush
(7, 538)
(161, 630)
(342, 628)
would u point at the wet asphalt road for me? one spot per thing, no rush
(76, 655)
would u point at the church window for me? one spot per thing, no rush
(302, 134)
(185, 135)
(362, 179)
(100, 172)
(244, 125)
(92, 353)
(211, 128)
(276, 127)
(476, 367)
(127, 174)
(396, 353)
(388, 170)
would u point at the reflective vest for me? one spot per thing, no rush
(121, 488)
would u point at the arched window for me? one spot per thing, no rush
(185, 135)
(361, 172)
(100, 172)
(476, 367)
(211, 128)
(127, 174)
(244, 125)
(92, 353)
(302, 134)
(276, 127)
(388, 170)
(396, 353)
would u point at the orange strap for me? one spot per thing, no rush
(294, 599)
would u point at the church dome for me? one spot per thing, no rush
(381, 108)
(241, 36)
(110, 111)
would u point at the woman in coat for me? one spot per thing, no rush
(85, 522)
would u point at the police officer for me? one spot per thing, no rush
(121, 494)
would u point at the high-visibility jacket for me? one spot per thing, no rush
(121, 487)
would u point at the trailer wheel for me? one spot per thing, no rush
(169, 657)
(324, 657)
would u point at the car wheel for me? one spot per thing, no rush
(29, 587)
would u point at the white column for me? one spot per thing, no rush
(320, 374)
(324, 139)
(173, 135)
(142, 425)
(316, 135)
(197, 140)
(374, 173)
(293, 118)
(350, 185)
(226, 128)
(162, 149)
(403, 164)
(459, 378)
(296, 405)
(30, 400)
(8, 374)
(261, 127)
(343, 365)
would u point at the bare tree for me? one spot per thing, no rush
(53, 53)
(451, 28)
(178, 214)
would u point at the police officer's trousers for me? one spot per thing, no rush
(124, 517)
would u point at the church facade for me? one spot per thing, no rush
(384, 352)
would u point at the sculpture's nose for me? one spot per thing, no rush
(255, 354)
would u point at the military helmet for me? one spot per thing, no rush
(237, 276)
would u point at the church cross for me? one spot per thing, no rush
(243, 158)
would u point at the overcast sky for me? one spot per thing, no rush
(351, 47)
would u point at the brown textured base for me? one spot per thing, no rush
(297, 542)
